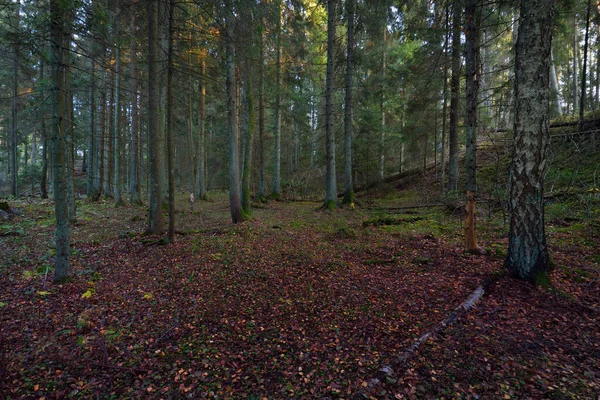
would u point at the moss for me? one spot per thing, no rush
(62, 281)
(349, 198)
(542, 279)
(275, 196)
(330, 205)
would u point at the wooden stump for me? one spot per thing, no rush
(470, 235)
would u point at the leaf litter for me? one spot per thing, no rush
(297, 311)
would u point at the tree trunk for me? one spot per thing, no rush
(70, 131)
(575, 66)
(169, 133)
(248, 127)
(527, 252)
(91, 151)
(454, 99)
(555, 91)
(101, 168)
(62, 267)
(445, 104)
(276, 193)
(117, 108)
(201, 184)
(109, 173)
(45, 141)
(331, 185)
(134, 174)
(348, 184)
(598, 69)
(472, 14)
(155, 220)
(14, 143)
(584, 69)
(261, 120)
(382, 106)
(235, 204)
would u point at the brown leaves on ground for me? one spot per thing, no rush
(295, 303)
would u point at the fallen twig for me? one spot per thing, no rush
(387, 372)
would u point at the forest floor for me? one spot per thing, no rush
(295, 303)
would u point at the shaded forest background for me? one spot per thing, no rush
(401, 68)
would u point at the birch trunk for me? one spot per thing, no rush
(527, 251)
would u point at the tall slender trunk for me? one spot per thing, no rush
(261, 120)
(170, 133)
(134, 174)
(472, 14)
(348, 184)
(313, 130)
(62, 267)
(117, 110)
(101, 168)
(584, 69)
(190, 150)
(155, 219)
(91, 150)
(235, 204)
(201, 185)
(45, 141)
(69, 128)
(276, 193)
(597, 99)
(248, 127)
(454, 99)
(575, 66)
(110, 140)
(14, 143)
(554, 89)
(382, 105)
(331, 185)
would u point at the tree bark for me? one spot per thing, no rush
(235, 204)
(43, 181)
(331, 185)
(584, 69)
(276, 193)
(116, 119)
(91, 134)
(527, 251)
(201, 184)
(472, 89)
(555, 91)
(169, 135)
(248, 111)
(155, 220)
(14, 143)
(454, 99)
(382, 105)
(348, 183)
(445, 103)
(134, 174)
(109, 156)
(62, 267)
(101, 167)
(575, 66)
(70, 130)
(261, 120)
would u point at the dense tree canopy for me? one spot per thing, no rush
(251, 96)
